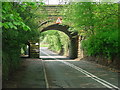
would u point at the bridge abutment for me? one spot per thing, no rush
(34, 49)
(73, 50)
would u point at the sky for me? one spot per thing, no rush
(52, 1)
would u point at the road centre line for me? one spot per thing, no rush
(91, 75)
(101, 81)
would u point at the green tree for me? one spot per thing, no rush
(18, 28)
(98, 23)
(56, 40)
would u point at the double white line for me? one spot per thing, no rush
(99, 80)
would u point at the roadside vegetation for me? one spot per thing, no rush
(19, 26)
(98, 24)
(56, 41)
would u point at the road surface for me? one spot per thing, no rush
(62, 72)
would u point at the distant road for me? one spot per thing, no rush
(62, 72)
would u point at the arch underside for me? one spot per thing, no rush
(62, 28)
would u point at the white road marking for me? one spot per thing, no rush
(101, 81)
(46, 80)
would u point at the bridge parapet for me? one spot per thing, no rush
(52, 12)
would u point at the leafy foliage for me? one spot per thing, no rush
(56, 41)
(19, 26)
(98, 23)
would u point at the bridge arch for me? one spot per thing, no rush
(73, 50)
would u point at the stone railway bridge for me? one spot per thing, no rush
(53, 13)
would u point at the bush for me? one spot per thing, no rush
(104, 43)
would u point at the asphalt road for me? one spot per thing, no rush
(62, 72)
(29, 75)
